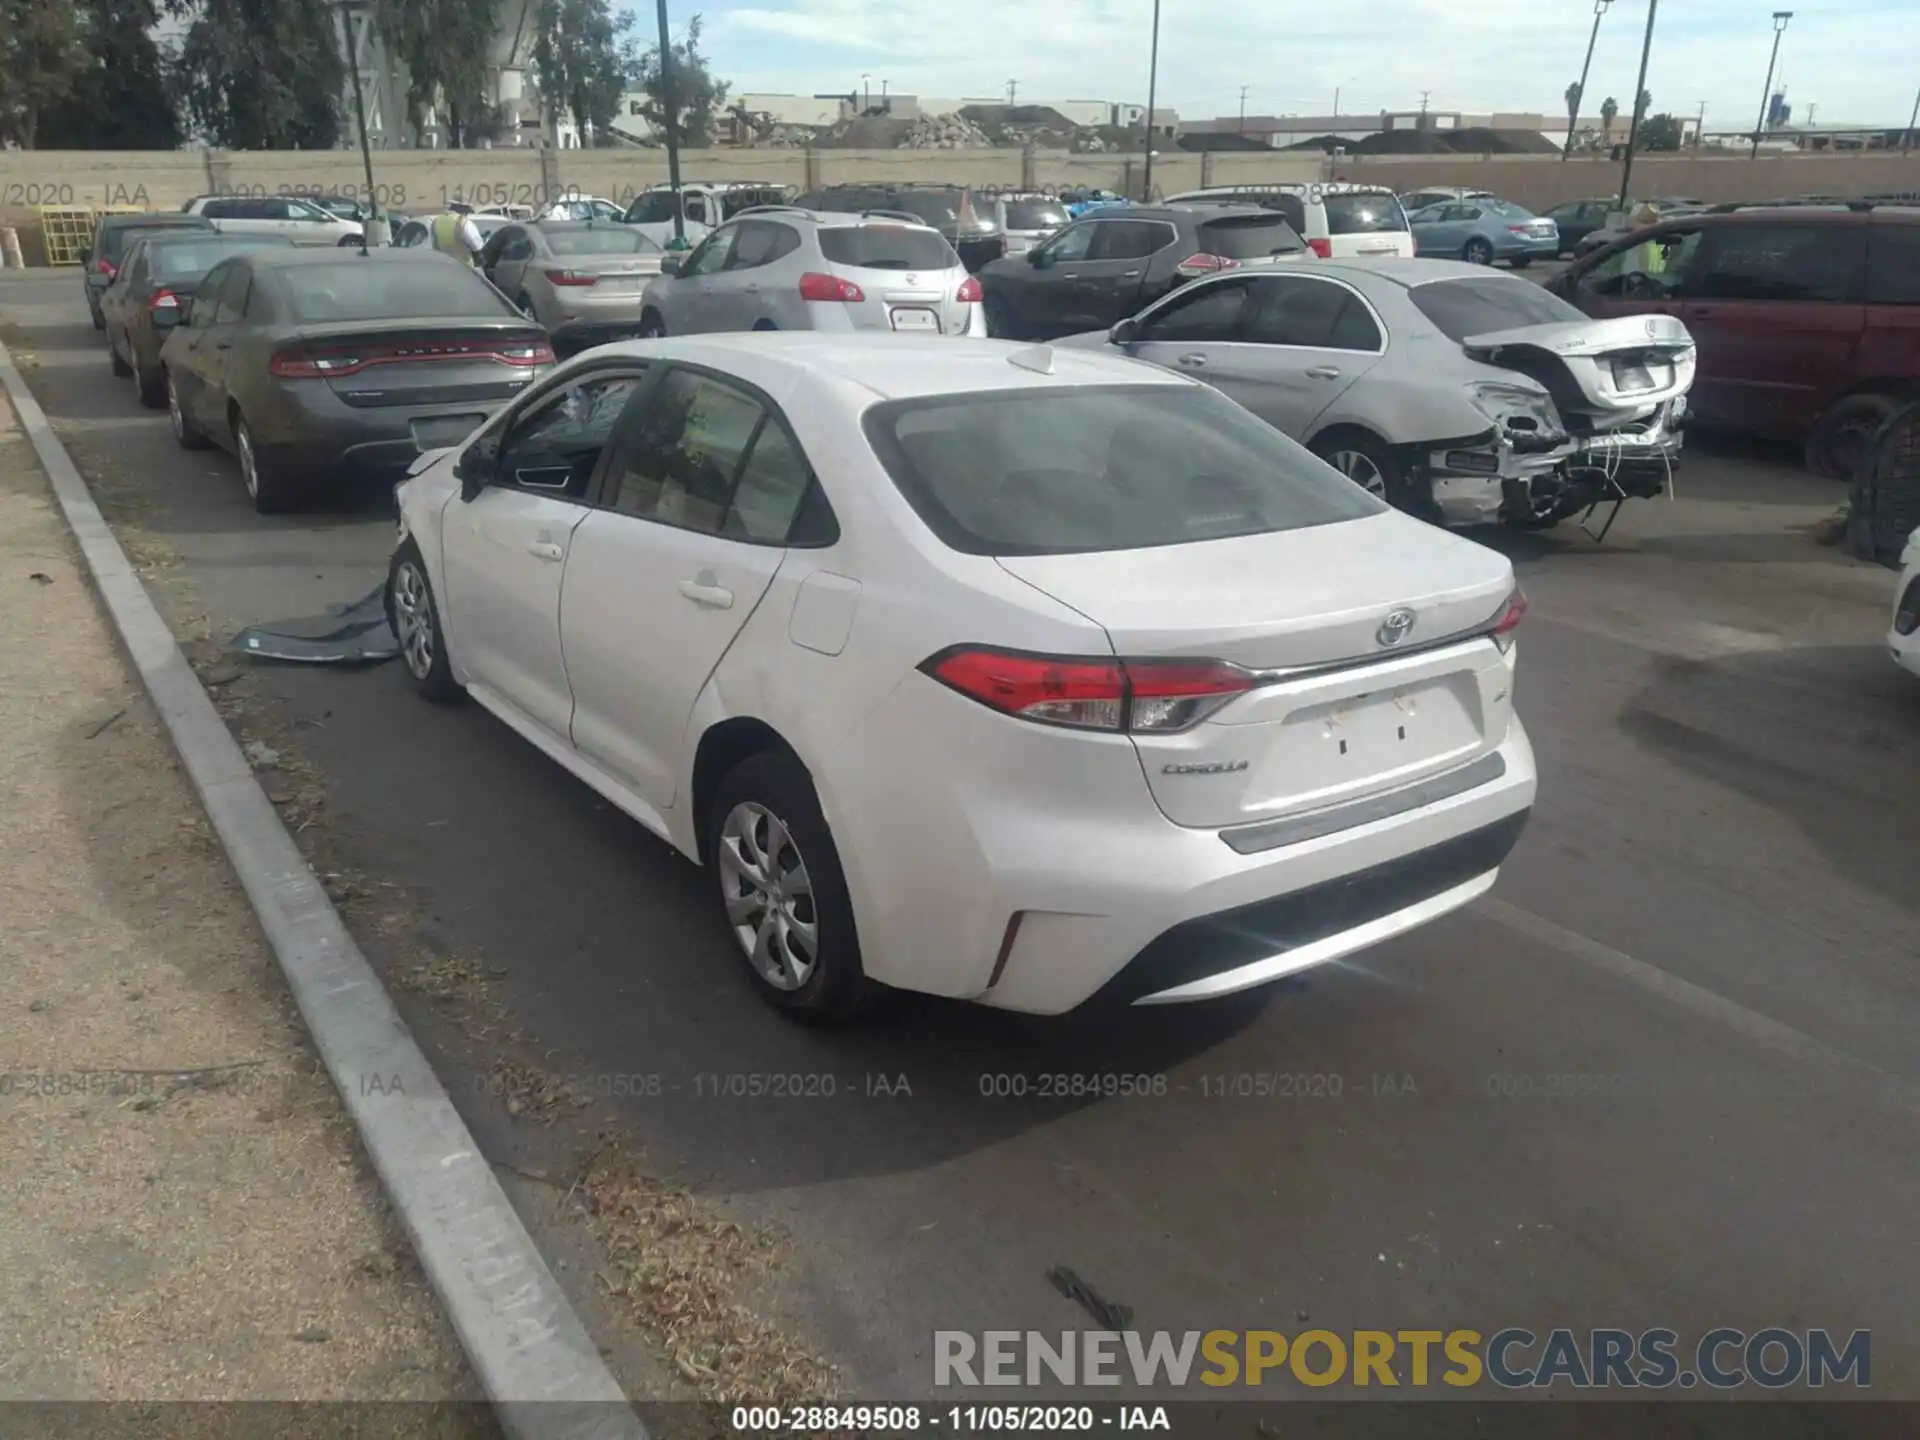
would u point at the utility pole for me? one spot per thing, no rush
(1423, 100)
(866, 93)
(1700, 126)
(1780, 19)
(1906, 141)
(1013, 88)
(1153, 81)
(373, 229)
(1811, 110)
(1639, 89)
(1593, 35)
(673, 126)
(1243, 110)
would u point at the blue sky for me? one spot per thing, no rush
(1854, 60)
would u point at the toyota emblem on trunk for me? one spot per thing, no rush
(1653, 329)
(1396, 627)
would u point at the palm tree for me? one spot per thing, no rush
(1609, 108)
(1573, 115)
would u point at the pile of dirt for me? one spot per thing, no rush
(1040, 126)
(943, 132)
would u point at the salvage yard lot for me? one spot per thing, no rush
(1560, 1106)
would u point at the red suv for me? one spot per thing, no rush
(1807, 319)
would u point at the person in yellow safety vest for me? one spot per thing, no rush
(454, 233)
(1649, 257)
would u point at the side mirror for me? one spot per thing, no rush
(474, 468)
(1125, 333)
(670, 264)
(86, 254)
(1037, 258)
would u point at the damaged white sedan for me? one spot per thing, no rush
(1454, 392)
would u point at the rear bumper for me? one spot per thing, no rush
(317, 438)
(583, 332)
(1517, 248)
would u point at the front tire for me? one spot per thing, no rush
(415, 616)
(783, 893)
(1477, 252)
(185, 433)
(1842, 435)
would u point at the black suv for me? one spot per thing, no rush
(1109, 264)
(946, 208)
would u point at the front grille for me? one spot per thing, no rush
(1229, 939)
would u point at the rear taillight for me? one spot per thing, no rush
(540, 352)
(1509, 620)
(1204, 264)
(1157, 697)
(164, 301)
(572, 277)
(814, 286)
(969, 291)
(1322, 248)
(1518, 230)
(298, 365)
(107, 268)
(304, 364)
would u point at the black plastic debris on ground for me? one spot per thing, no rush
(356, 633)
(1111, 1314)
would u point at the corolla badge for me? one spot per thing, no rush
(1214, 767)
(1653, 329)
(1396, 627)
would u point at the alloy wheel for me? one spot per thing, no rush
(249, 463)
(175, 416)
(1361, 469)
(769, 896)
(413, 619)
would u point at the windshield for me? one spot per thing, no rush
(1485, 306)
(1363, 212)
(886, 247)
(362, 289)
(1035, 215)
(190, 259)
(1059, 471)
(653, 208)
(607, 241)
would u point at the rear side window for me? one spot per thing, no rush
(374, 289)
(680, 468)
(886, 247)
(1066, 471)
(1313, 314)
(1813, 263)
(1893, 265)
(1362, 213)
(653, 208)
(1459, 308)
(114, 239)
(1250, 237)
(761, 243)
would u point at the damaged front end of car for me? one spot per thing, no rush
(1595, 411)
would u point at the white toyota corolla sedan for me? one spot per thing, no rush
(1036, 677)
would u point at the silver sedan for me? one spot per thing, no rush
(582, 280)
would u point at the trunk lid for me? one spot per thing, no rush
(417, 363)
(1597, 366)
(619, 274)
(1346, 715)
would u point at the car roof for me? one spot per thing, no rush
(305, 256)
(895, 367)
(1407, 273)
(161, 219)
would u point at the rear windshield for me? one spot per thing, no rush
(600, 242)
(1058, 471)
(1459, 308)
(1250, 237)
(886, 247)
(374, 289)
(1505, 207)
(115, 239)
(190, 259)
(1362, 213)
(938, 210)
(1035, 215)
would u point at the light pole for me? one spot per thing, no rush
(866, 93)
(1780, 19)
(1241, 129)
(672, 121)
(1906, 141)
(1153, 80)
(1639, 90)
(374, 226)
(1580, 91)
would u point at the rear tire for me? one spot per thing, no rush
(266, 486)
(1840, 437)
(652, 327)
(1477, 252)
(783, 894)
(1368, 462)
(120, 367)
(185, 433)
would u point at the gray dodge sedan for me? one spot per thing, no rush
(315, 365)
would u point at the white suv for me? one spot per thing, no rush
(301, 221)
(1338, 221)
(1025, 675)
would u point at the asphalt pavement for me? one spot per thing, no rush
(1665, 1076)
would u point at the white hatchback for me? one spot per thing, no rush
(1029, 676)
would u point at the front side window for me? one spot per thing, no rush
(1070, 244)
(1200, 314)
(1080, 470)
(1655, 268)
(555, 448)
(714, 251)
(1129, 239)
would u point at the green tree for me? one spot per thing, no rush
(120, 100)
(44, 54)
(697, 97)
(1660, 132)
(443, 44)
(581, 60)
(261, 74)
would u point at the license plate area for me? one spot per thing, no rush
(435, 432)
(1371, 741)
(914, 317)
(1633, 376)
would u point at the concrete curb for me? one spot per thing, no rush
(532, 1354)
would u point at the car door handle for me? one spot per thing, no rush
(1130, 275)
(1324, 372)
(701, 592)
(1192, 362)
(753, 289)
(545, 550)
